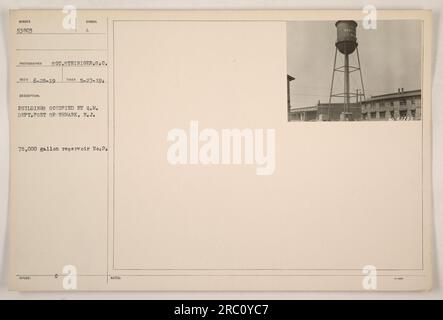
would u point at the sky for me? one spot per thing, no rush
(390, 58)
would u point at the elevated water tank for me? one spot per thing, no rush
(346, 36)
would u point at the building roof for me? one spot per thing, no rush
(395, 95)
(315, 108)
(351, 104)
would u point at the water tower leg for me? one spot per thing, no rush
(332, 85)
(346, 76)
(361, 76)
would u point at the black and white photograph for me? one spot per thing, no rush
(349, 70)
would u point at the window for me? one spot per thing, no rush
(413, 113)
(413, 102)
(382, 114)
(392, 103)
(402, 102)
(373, 115)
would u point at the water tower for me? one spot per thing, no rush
(346, 44)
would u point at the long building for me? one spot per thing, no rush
(401, 105)
(325, 112)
